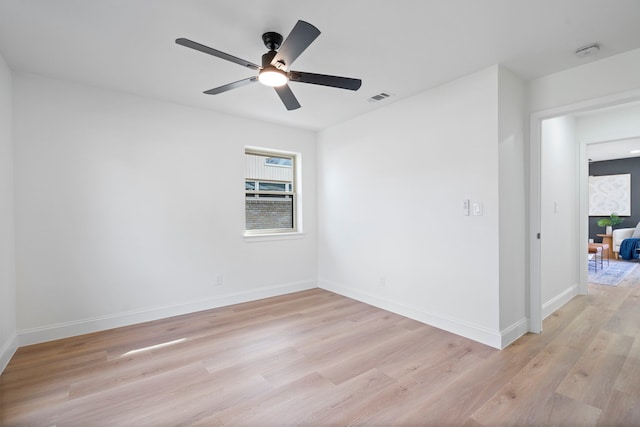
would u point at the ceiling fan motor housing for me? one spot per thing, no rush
(272, 40)
(267, 58)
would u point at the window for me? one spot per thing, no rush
(266, 189)
(278, 161)
(270, 192)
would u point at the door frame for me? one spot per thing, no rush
(535, 196)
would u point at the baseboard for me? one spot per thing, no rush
(558, 301)
(515, 331)
(85, 326)
(440, 321)
(7, 351)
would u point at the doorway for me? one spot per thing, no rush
(550, 208)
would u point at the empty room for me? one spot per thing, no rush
(269, 213)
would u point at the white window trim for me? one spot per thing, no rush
(280, 234)
(252, 238)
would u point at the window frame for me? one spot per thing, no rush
(257, 190)
(294, 193)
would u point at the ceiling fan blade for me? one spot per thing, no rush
(302, 35)
(211, 51)
(325, 80)
(234, 85)
(288, 98)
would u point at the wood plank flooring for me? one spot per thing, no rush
(316, 358)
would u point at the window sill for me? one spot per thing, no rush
(268, 237)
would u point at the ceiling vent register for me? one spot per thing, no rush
(379, 97)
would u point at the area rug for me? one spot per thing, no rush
(612, 274)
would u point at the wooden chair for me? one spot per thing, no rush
(599, 248)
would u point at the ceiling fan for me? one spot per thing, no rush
(275, 70)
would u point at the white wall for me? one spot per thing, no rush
(124, 215)
(559, 213)
(127, 209)
(512, 193)
(609, 125)
(8, 342)
(603, 78)
(389, 183)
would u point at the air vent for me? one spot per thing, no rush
(379, 97)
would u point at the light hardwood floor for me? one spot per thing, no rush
(316, 358)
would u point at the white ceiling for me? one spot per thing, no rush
(401, 47)
(612, 150)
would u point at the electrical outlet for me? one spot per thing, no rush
(383, 281)
(218, 280)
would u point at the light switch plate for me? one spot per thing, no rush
(477, 208)
(465, 207)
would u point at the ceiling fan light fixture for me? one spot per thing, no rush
(274, 71)
(271, 76)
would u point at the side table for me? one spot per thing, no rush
(607, 239)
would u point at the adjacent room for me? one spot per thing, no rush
(612, 136)
(395, 232)
(595, 150)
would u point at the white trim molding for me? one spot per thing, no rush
(7, 351)
(558, 301)
(101, 323)
(512, 333)
(474, 332)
